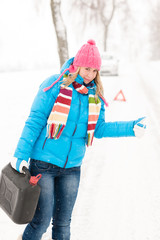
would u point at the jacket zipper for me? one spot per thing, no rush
(44, 142)
(68, 155)
(73, 135)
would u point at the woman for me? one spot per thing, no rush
(66, 114)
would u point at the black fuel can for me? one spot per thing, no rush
(18, 194)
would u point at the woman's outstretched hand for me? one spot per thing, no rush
(139, 127)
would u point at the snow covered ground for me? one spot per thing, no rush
(119, 196)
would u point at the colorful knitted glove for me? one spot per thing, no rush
(139, 127)
(18, 164)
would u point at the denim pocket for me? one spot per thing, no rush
(42, 165)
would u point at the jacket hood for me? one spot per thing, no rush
(64, 69)
(66, 65)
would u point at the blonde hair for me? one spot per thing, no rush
(72, 76)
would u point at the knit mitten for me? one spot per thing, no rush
(18, 164)
(139, 127)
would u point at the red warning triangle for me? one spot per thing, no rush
(120, 96)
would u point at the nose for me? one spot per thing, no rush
(90, 74)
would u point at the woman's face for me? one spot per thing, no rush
(88, 74)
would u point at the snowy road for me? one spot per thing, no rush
(119, 196)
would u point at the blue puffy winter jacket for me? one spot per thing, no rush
(67, 151)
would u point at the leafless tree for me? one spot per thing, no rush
(99, 10)
(155, 32)
(60, 30)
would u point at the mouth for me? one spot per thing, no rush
(87, 80)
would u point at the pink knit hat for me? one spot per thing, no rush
(88, 56)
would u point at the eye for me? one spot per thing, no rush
(87, 69)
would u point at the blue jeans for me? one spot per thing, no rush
(59, 188)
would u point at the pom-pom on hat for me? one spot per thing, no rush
(88, 56)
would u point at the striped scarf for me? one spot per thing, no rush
(59, 114)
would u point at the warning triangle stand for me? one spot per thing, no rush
(120, 96)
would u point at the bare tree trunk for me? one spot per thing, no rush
(105, 38)
(60, 29)
(106, 20)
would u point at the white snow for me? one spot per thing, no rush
(119, 195)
